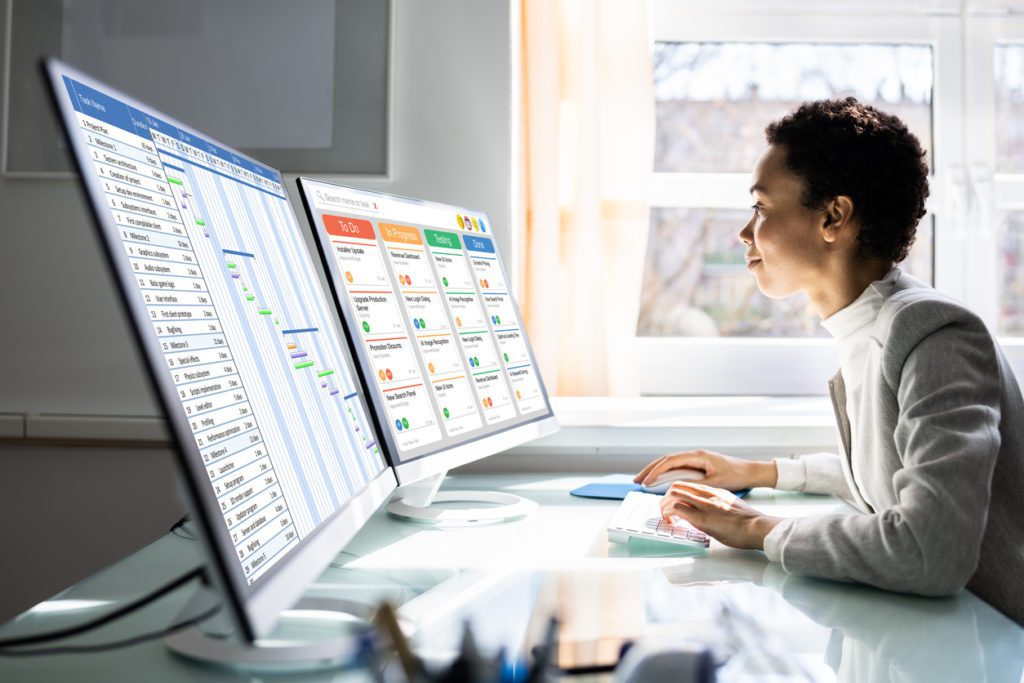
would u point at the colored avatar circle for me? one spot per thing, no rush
(471, 362)
(416, 323)
(430, 367)
(380, 373)
(476, 225)
(366, 326)
(506, 357)
(483, 226)
(348, 276)
(398, 425)
(490, 403)
(388, 373)
(462, 223)
(484, 402)
(444, 281)
(458, 322)
(445, 411)
(498, 319)
(487, 284)
(423, 324)
(405, 423)
(519, 395)
(476, 360)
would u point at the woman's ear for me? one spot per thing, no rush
(838, 221)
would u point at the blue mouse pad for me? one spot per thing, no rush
(617, 486)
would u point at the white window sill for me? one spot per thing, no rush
(597, 432)
(621, 434)
(599, 424)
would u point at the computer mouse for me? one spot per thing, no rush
(663, 482)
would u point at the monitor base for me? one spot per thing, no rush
(499, 508)
(317, 634)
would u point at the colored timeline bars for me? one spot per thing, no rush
(235, 272)
(303, 362)
(298, 356)
(176, 177)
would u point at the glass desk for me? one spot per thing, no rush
(507, 579)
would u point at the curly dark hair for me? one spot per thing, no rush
(842, 147)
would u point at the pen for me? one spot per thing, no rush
(387, 621)
(540, 663)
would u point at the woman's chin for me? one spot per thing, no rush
(770, 289)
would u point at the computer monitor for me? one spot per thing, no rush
(279, 455)
(437, 334)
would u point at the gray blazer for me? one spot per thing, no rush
(942, 461)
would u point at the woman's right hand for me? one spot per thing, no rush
(719, 470)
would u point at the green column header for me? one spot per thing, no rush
(442, 239)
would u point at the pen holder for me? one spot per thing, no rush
(468, 667)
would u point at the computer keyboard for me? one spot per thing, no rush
(639, 516)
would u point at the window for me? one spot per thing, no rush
(1008, 78)
(1011, 273)
(953, 73)
(696, 282)
(1008, 68)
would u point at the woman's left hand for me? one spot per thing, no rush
(718, 513)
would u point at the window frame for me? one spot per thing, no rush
(991, 192)
(800, 367)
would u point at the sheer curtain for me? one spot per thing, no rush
(588, 135)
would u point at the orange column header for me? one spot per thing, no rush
(339, 226)
(400, 233)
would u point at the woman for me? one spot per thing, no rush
(931, 418)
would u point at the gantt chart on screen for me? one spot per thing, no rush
(249, 340)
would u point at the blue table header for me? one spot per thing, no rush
(481, 244)
(103, 107)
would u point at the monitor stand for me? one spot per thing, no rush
(318, 633)
(416, 504)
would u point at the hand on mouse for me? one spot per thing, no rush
(719, 470)
(719, 514)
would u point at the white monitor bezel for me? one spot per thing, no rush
(439, 462)
(255, 609)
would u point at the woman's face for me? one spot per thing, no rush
(786, 248)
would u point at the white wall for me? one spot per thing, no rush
(65, 343)
(451, 108)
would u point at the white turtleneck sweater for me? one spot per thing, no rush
(851, 328)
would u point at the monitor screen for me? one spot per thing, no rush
(244, 347)
(427, 302)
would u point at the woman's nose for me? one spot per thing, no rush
(747, 233)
